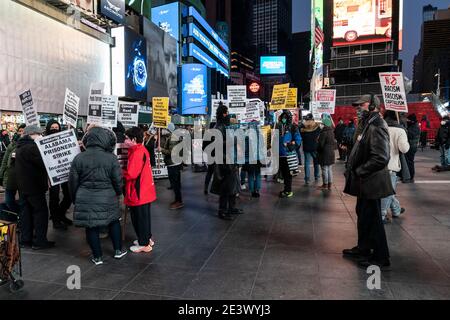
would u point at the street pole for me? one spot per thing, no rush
(438, 92)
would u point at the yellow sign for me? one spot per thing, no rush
(292, 99)
(279, 96)
(161, 112)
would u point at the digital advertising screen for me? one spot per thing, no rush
(167, 17)
(273, 65)
(199, 54)
(362, 21)
(113, 9)
(200, 36)
(195, 89)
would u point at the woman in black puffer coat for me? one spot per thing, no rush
(96, 184)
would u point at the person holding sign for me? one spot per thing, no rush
(95, 184)
(140, 189)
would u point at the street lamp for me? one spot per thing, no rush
(438, 75)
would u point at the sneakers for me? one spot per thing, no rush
(402, 211)
(243, 187)
(286, 194)
(176, 205)
(119, 254)
(136, 243)
(97, 261)
(141, 249)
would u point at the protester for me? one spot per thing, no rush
(173, 168)
(58, 209)
(150, 143)
(288, 143)
(8, 172)
(32, 182)
(310, 136)
(326, 152)
(424, 128)
(368, 179)
(413, 140)
(443, 141)
(96, 184)
(398, 144)
(339, 135)
(253, 168)
(139, 190)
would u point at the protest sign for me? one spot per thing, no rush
(325, 101)
(279, 96)
(29, 110)
(122, 155)
(315, 112)
(109, 111)
(291, 102)
(128, 114)
(160, 112)
(160, 170)
(238, 109)
(295, 116)
(237, 94)
(58, 151)
(71, 105)
(252, 111)
(394, 93)
(94, 114)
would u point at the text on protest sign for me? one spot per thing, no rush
(279, 96)
(160, 171)
(95, 103)
(71, 105)
(160, 112)
(292, 97)
(58, 151)
(128, 114)
(237, 94)
(29, 111)
(325, 101)
(252, 111)
(109, 111)
(394, 93)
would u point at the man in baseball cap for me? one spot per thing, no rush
(367, 100)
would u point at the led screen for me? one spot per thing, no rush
(113, 9)
(167, 18)
(273, 65)
(195, 89)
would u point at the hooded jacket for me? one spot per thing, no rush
(310, 135)
(443, 136)
(288, 135)
(95, 181)
(326, 147)
(398, 144)
(49, 125)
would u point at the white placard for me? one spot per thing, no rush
(237, 94)
(109, 111)
(325, 101)
(29, 110)
(394, 93)
(160, 170)
(71, 106)
(128, 114)
(252, 111)
(95, 103)
(58, 151)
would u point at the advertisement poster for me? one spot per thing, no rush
(29, 111)
(291, 102)
(58, 151)
(128, 114)
(160, 170)
(95, 103)
(71, 105)
(394, 94)
(160, 112)
(362, 21)
(109, 111)
(325, 101)
(113, 9)
(167, 18)
(279, 96)
(136, 75)
(194, 86)
(273, 65)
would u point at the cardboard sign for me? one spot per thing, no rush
(292, 97)
(128, 114)
(279, 96)
(58, 151)
(325, 101)
(160, 170)
(252, 111)
(29, 111)
(160, 112)
(94, 114)
(122, 155)
(214, 105)
(394, 93)
(237, 94)
(71, 106)
(109, 111)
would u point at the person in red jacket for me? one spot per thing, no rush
(139, 189)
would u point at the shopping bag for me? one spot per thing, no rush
(292, 160)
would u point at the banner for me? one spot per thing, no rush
(292, 97)
(58, 151)
(29, 111)
(394, 93)
(71, 105)
(279, 96)
(94, 114)
(160, 112)
(128, 114)
(160, 170)
(109, 111)
(325, 101)
(252, 111)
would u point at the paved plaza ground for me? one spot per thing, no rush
(280, 249)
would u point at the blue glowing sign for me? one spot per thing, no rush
(195, 32)
(136, 65)
(273, 65)
(167, 18)
(199, 54)
(194, 89)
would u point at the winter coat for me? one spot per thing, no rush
(367, 176)
(310, 135)
(7, 167)
(349, 134)
(443, 136)
(95, 181)
(287, 136)
(169, 144)
(413, 135)
(339, 132)
(398, 144)
(150, 145)
(31, 174)
(139, 184)
(326, 147)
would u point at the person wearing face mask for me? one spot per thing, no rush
(58, 209)
(368, 179)
(8, 172)
(32, 182)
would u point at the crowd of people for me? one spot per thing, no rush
(378, 151)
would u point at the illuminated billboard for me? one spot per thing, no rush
(167, 17)
(202, 56)
(362, 21)
(113, 9)
(273, 65)
(194, 89)
(317, 42)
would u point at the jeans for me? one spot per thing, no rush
(10, 200)
(93, 239)
(391, 201)
(34, 219)
(299, 155)
(286, 172)
(327, 174)
(142, 223)
(308, 157)
(254, 181)
(445, 156)
(174, 173)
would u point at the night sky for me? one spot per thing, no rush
(411, 25)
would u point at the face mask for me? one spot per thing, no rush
(53, 131)
(284, 120)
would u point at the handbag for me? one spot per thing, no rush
(292, 161)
